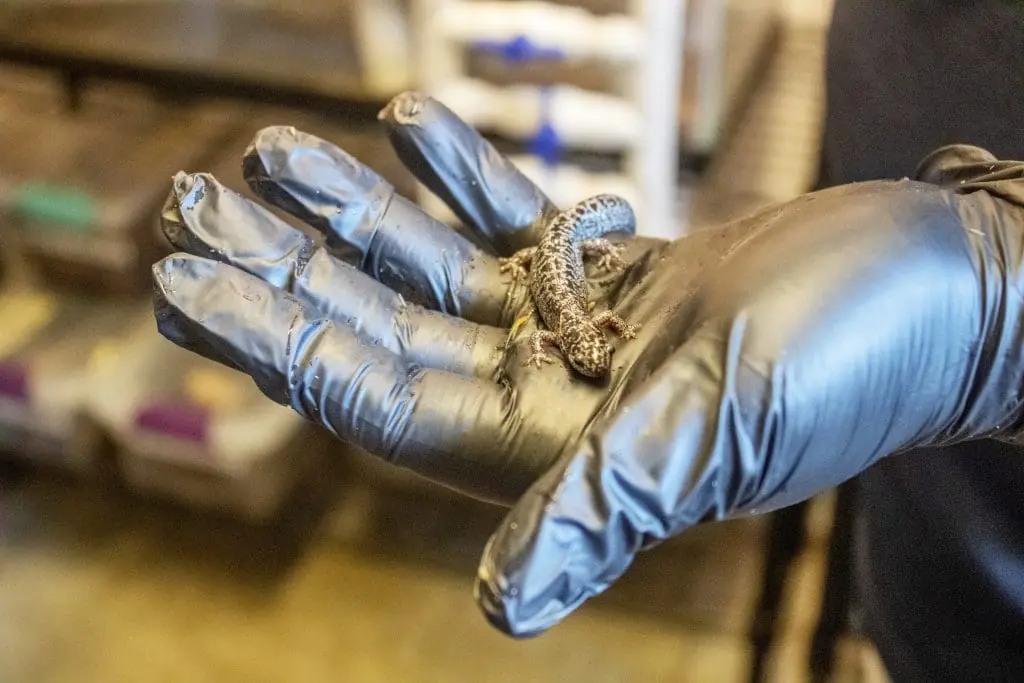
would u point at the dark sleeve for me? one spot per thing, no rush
(905, 78)
(966, 168)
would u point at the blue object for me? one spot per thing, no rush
(520, 49)
(545, 143)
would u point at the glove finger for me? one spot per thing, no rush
(204, 218)
(659, 466)
(367, 224)
(481, 186)
(446, 427)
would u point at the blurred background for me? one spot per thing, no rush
(141, 539)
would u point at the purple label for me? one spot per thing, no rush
(179, 420)
(13, 380)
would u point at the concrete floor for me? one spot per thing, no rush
(368, 579)
(366, 576)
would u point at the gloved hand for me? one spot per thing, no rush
(778, 356)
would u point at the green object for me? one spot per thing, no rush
(57, 206)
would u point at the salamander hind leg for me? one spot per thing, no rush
(617, 324)
(537, 341)
(519, 262)
(607, 253)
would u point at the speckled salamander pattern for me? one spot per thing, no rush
(557, 283)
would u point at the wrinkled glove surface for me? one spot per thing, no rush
(778, 355)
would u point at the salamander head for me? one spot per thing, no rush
(586, 348)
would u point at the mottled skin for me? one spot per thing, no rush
(558, 286)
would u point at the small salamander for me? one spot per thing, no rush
(555, 275)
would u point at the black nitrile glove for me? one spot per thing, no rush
(779, 355)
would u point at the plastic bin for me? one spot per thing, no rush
(191, 430)
(81, 192)
(46, 346)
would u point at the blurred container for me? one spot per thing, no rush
(28, 94)
(79, 192)
(584, 119)
(564, 185)
(574, 33)
(189, 429)
(28, 87)
(46, 342)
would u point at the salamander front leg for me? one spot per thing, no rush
(537, 341)
(607, 253)
(617, 324)
(518, 263)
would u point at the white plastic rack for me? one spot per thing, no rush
(637, 121)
